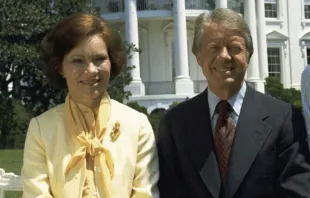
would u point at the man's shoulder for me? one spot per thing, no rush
(187, 106)
(263, 100)
(271, 103)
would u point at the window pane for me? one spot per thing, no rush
(307, 11)
(274, 62)
(308, 55)
(271, 10)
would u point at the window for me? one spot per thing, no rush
(307, 9)
(274, 62)
(308, 55)
(271, 9)
(236, 5)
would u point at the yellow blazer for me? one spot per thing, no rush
(48, 151)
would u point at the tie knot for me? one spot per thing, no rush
(223, 107)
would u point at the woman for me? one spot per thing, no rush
(90, 146)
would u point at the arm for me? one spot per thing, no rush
(305, 97)
(34, 171)
(146, 173)
(294, 157)
(169, 180)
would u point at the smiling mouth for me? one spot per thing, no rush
(223, 70)
(90, 83)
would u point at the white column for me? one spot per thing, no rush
(262, 40)
(221, 3)
(183, 83)
(253, 75)
(132, 37)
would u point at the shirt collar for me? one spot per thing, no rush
(235, 101)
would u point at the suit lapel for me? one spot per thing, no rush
(251, 133)
(201, 144)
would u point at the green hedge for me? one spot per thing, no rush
(275, 88)
(155, 116)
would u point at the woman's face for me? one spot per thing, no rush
(86, 69)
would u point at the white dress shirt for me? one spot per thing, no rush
(235, 102)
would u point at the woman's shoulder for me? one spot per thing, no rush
(45, 124)
(51, 114)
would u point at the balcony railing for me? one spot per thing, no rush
(154, 5)
(199, 4)
(114, 6)
(109, 6)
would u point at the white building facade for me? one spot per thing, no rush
(167, 71)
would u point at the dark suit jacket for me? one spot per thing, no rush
(270, 157)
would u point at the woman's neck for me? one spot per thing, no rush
(91, 103)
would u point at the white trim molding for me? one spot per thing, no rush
(276, 34)
(280, 15)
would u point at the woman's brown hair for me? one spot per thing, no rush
(67, 34)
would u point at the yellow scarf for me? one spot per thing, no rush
(81, 123)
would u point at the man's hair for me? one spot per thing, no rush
(226, 18)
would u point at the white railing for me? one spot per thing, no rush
(154, 5)
(115, 6)
(9, 182)
(199, 4)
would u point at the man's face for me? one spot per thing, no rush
(223, 57)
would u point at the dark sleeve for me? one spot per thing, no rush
(169, 181)
(294, 157)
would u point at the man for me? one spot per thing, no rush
(231, 141)
(305, 97)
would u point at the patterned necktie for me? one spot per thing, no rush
(223, 137)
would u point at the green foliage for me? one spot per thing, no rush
(22, 27)
(275, 88)
(175, 103)
(14, 123)
(155, 121)
(117, 86)
(17, 133)
(154, 117)
(135, 105)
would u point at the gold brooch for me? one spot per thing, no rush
(115, 132)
